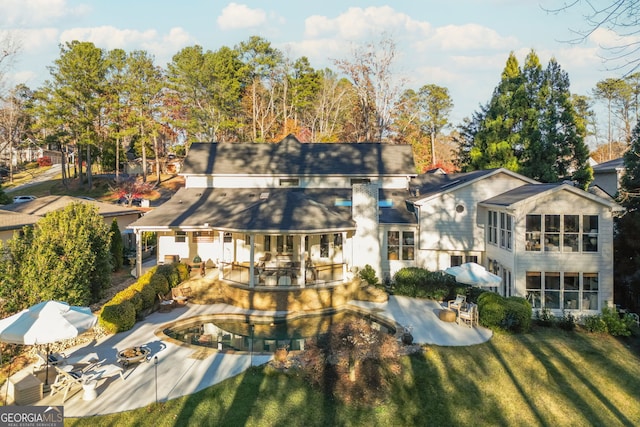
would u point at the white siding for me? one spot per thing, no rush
(443, 229)
(601, 262)
(270, 181)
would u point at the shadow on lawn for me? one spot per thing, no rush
(561, 368)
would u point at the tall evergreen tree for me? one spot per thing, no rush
(626, 243)
(117, 246)
(497, 138)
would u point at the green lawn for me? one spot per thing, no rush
(545, 378)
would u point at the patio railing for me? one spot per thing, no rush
(316, 275)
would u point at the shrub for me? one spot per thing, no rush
(146, 289)
(131, 295)
(171, 272)
(544, 317)
(44, 161)
(160, 284)
(118, 317)
(595, 324)
(566, 322)
(421, 283)
(368, 274)
(517, 315)
(616, 325)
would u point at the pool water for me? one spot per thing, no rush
(263, 335)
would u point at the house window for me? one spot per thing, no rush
(337, 240)
(506, 231)
(551, 233)
(228, 237)
(555, 290)
(360, 181)
(284, 244)
(590, 291)
(563, 233)
(534, 289)
(289, 182)
(267, 243)
(324, 246)
(408, 245)
(551, 290)
(181, 237)
(493, 227)
(400, 248)
(590, 233)
(533, 229)
(203, 237)
(571, 291)
(571, 236)
(455, 260)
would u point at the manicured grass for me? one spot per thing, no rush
(548, 377)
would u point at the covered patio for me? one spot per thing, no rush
(278, 237)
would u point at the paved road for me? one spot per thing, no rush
(54, 171)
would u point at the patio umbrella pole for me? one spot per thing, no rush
(46, 370)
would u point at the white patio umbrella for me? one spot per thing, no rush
(474, 274)
(46, 323)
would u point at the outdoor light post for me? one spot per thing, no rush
(251, 344)
(155, 363)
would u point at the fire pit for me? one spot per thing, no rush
(133, 355)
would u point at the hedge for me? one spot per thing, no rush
(120, 313)
(421, 283)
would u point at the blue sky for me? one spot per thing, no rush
(459, 44)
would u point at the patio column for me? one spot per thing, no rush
(344, 264)
(138, 254)
(302, 269)
(220, 254)
(252, 252)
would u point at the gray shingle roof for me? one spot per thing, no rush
(15, 221)
(290, 157)
(43, 205)
(287, 210)
(611, 165)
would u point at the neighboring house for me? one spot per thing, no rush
(11, 222)
(43, 205)
(311, 214)
(608, 175)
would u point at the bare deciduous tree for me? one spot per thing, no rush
(370, 72)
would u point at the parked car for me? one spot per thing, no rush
(124, 202)
(23, 199)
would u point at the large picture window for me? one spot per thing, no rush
(566, 233)
(562, 290)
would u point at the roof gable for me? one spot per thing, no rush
(428, 186)
(290, 157)
(513, 198)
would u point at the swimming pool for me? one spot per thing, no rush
(262, 334)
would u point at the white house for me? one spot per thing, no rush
(295, 214)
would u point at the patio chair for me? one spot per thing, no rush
(67, 380)
(181, 295)
(457, 303)
(54, 359)
(468, 315)
(166, 305)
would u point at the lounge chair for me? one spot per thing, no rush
(469, 315)
(457, 303)
(54, 359)
(166, 305)
(66, 380)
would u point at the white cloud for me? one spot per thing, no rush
(237, 16)
(469, 37)
(36, 40)
(31, 13)
(163, 47)
(357, 23)
(109, 37)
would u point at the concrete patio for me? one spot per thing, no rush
(183, 370)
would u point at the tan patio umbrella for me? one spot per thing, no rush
(45, 323)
